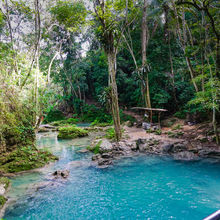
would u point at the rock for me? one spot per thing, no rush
(178, 148)
(155, 127)
(61, 173)
(106, 155)
(2, 189)
(147, 145)
(96, 157)
(76, 163)
(143, 147)
(105, 146)
(185, 155)
(146, 126)
(129, 123)
(167, 148)
(134, 147)
(43, 185)
(201, 138)
(211, 153)
(47, 126)
(83, 151)
(102, 162)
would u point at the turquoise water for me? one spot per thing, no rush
(145, 187)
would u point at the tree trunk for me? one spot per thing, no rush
(144, 43)
(183, 41)
(215, 125)
(114, 93)
(172, 71)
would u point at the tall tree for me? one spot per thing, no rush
(112, 18)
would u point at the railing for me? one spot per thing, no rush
(214, 216)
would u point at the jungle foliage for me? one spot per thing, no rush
(72, 59)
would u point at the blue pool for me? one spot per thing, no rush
(144, 187)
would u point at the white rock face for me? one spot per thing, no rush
(2, 189)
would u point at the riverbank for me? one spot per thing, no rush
(135, 142)
(181, 141)
(147, 183)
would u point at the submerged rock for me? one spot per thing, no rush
(61, 173)
(103, 161)
(83, 151)
(185, 155)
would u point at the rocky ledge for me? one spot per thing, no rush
(179, 150)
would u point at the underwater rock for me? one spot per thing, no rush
(61, 173)
(185, 155)
(83, 151)
(103, 161)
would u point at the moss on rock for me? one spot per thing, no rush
(5, 181)
(24, 158)
(2, 200)
(70, 132)
(96, 148)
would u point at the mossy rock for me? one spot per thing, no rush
(3, 200)
(96, 148)
(71, 132)
(24, 158)
(5, 181)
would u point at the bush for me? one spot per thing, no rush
(158, 132)
(110, 133)
(2, 200)
(5, 181)
(101, 124)
(91, 113)
(69, 121)
(95, 149)
(125, 117)
(53, 115)
(180, 114)
(71, 132)
(177, 127)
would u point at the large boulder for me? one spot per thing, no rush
(167, 148)
(146, 126)
(105, 146)
(147, 145)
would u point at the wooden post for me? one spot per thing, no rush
(159, 120)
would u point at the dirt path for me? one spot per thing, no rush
(135, 133)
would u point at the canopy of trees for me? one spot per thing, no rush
(66, 55)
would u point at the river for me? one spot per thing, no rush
(143, 187)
